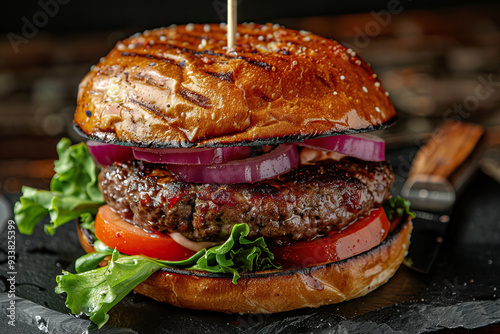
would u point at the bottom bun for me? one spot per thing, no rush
(280, 290)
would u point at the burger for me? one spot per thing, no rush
(228, 180)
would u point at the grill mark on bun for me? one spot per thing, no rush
(150, 108)
(196, 53)
(226, 76)
(195, 98)
(168, 60)
(263, 96)
(324, 81)
(183, 49)
(257, 63)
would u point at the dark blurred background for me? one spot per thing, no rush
(438, 61)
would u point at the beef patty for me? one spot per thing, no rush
(308, 201)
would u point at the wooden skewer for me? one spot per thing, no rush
(231, 25)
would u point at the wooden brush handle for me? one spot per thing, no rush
(447, 149)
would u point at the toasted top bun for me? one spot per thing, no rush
(180, 87)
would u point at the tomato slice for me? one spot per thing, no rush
(364, 234)
(111, 229)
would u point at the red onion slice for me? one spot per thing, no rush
(363, 146)
(278, 161)
(191, 156)
(107, 154)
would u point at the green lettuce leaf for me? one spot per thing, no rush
(76, 172)
(397, 207)
(87, 221)
(96, 291)
(237, 254)
(74, 194)
(73, 191)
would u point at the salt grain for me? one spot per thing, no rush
(202, 44)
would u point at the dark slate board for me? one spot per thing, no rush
(460, 291)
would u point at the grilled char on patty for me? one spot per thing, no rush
(308, 201)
